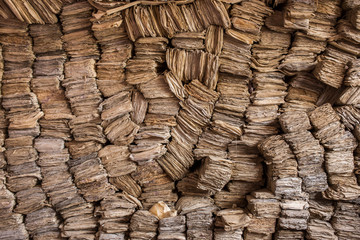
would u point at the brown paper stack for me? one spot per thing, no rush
(43, 224)
(352, 74)
(238, 51)
(177, 161)
(85, 98)
(188, 186)
(34, 11)
(303, 93)
(355, 16)
(302, 56)
(172, 228)
(350, 117)
(122, 109)
(153, 115)
(156, 185)
(247, 18)
(116, 161)
(76, 25)
(58, 184)
(143, 225)
(265, 209)
(150, 142)
(331, 67)
(319, 222)
(245, 159)
(109, 31)
(229, 112)
(323, 21)
(288, 234)
(267, 92)
(297, 14)
(115, 213)
(214, 174)
(284, 182)
(233, 195)
(23, 113)
(57, 181)
(308, 151)
(268, 85)
(166, 20)
(282, 167)
(12, 224)
(346, 220)
(148, 60)
(244, 180)
(294, 214)
(271, 49)
(48, 74)
(162, 103)
(350, 94)
(339, 145)
(232, 219)
(199, 216)
(221, 234)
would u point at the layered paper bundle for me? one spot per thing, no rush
(12, 225)
(49, 72)
(319, 222)
(23, 112)
(282, 167)
(308, 151)
(85, 99)
(156, 185)
(265, 208)
(271, 49)
(302, 56)
(34, 11)
(143, 225)
(115, 214)
(297, 14)
(349, 117)
(234, 193)
(204, 119)
(339, 52)
(109, 31)
(166, 20)
(339, 160)
(331, 68)
(247, 18)
(345, 219)
(323, 21)
(188, 128)
(78, 39)
(199, 216)
(303, 93)
(172, 227)
(64, 195)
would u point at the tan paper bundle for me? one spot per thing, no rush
(191, 119)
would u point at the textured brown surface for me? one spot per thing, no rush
(204, 119)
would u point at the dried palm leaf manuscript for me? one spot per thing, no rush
(175, 120)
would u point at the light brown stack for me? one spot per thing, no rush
(84, 97)
(12, 224)
(199, 216)
(265, 209)
(23, 113)
(308, 151)
(339, 145)
(115, 214)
